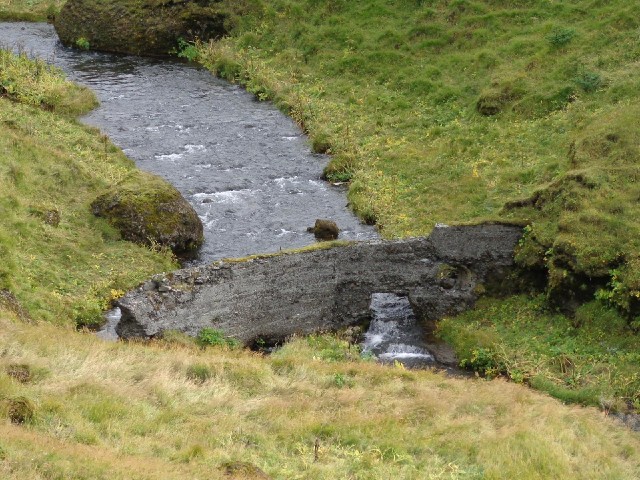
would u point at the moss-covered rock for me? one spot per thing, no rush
(140, 27)
(147, 210)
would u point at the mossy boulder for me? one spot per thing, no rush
(139, 27)
(149, 211)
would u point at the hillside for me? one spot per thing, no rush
(460, 111)
(441, 111)
(464, 111)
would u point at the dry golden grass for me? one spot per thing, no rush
(106, 410)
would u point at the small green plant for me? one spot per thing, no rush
(199, 373)
(342, 380)
(589, 81)
(561, 37)
(187, 50)
(484, 361)
(332, 348)
(83, 44)
(212, 337)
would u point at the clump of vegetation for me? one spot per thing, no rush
(560, 37)
(34, 82)
(18, 409)
(211, 337)
(83, 44)
(199, 373)
(187, 50)
(20, 372)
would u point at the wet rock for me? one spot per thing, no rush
(149, 211)
(140, 27)
(266, 298)
(325, 230)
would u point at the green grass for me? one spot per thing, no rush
(30, 10)
(395, 92)
(59, 261)
(591, 359)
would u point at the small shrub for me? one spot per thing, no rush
(589, 81)
(187, 50)
(320, 143)
(212, 337)
(199, 373)
(561, 37)
(83, 44)
(484, 361)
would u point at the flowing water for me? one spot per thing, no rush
(244, 166)
(394, 333)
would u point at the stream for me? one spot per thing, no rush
(244, 166)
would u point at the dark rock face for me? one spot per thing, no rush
(140, 27)
(277, 296)
(325, 230)
(150, 211)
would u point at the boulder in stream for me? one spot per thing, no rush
(149, 211)
(139, 27)
(325, 230)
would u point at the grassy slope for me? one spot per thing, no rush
(59, 261)
(164, 410)
(392, 89)
(29, 10)
(590, 359)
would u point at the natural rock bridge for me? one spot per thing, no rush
(274, 297)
